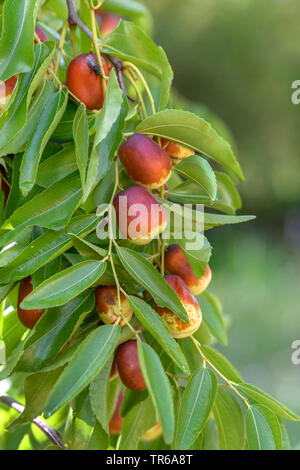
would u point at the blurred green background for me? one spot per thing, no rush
(239, 58)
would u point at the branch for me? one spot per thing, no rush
(74, 19)
(51, 433)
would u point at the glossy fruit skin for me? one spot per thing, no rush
(177, 151)
(107, 305)
(129, 367)
(27, 317)
(115, 423)
(177, 327)
(41, 34)
(84, 80)
(153, 216)
(176, 263)
(113, 371)
(4, 186)
(145, 162)
(107, 22)
(152, 433)
(6, 90)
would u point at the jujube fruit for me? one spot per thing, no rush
(176, 263)
(27, 317)
(107, 22)
(115, 423)
(108, 308)
(139, 214)
(177, 151)
(129, 367)
(4, 186)
(84, 79)
(146, 162)
(177, 327)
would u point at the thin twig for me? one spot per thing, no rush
(51, 433)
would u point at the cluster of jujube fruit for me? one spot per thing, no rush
(148, 162)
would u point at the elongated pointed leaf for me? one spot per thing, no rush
(212, 316)
(20, 139)
(196, 404)
(198, 170)
(157, 327)
(130, 43)
(48, 120)
(52, 332)
(230, 420)
(51, 208)
(190, 130)
(37, 388)
(264, 399)
(65, 285)
(221, 363)
(148, 277)
(46, 248)
(158, 386)
(263, 429)
(109, 126)
(57, 167)
(16, 43)
(87, 362)
(81, 140)
(99, 395)
(139, 419)
(14, 117)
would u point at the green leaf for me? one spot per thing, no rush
(158, 386)
(230, 420)
(221, 363)
(198, 170)
(157, 327)
(131, 399)
(14, 117)
(195, 407)
(65, 285)
(109, 126)
(83, 421)
(197, 258)
(190, 130)
(139, 419)
(37, 388)
(129, 43)
(98, 439)
(148, 277)
(228, 199)
(48, 120)
(99, 395)
(45, 248)
(212, 316)
(16, 43)
(55, 168)
(51, 208)
(264, 399)
(263, 429)
(195, 217)
(55, 328)
(20, 139)
(81, 140)
(87, 362)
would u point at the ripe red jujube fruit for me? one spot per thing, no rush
(129, 367)
(84, 79)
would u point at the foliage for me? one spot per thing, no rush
(64, 166)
